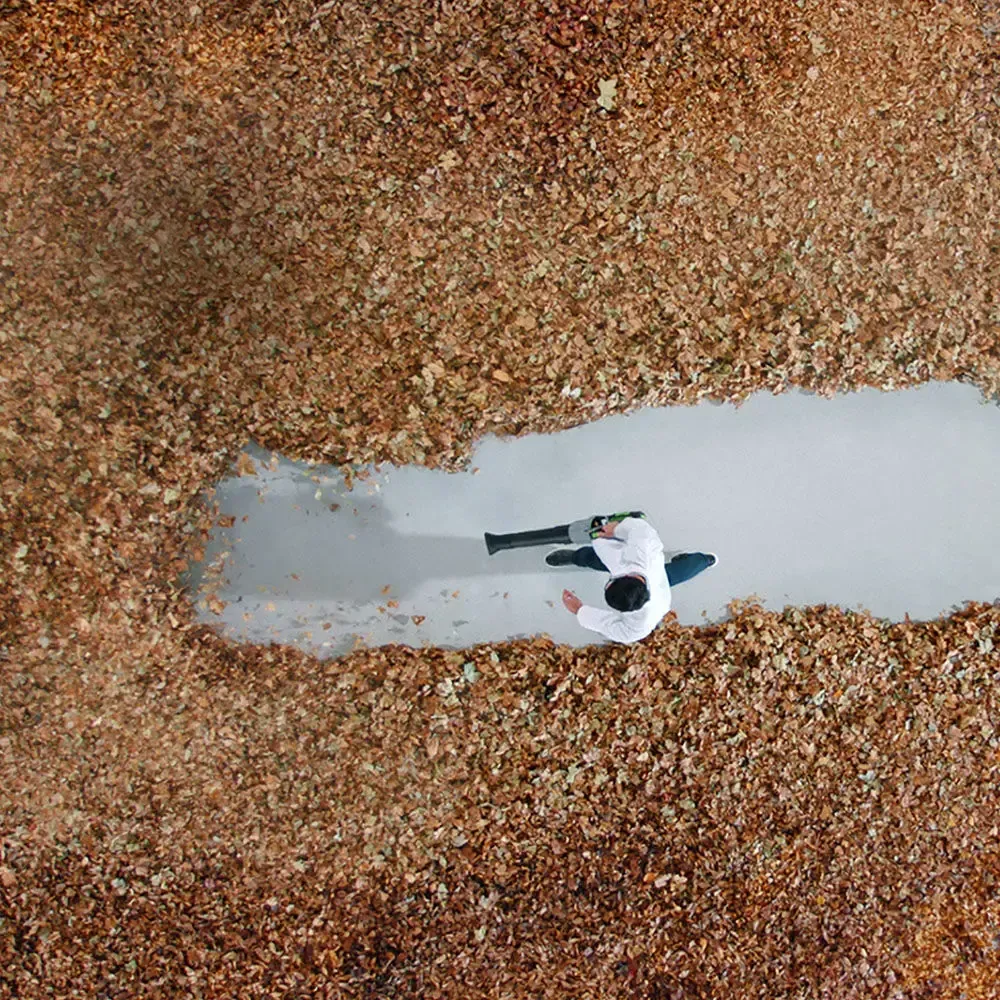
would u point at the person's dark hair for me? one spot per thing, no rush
(626, 593)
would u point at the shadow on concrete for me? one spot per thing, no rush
(301, 550)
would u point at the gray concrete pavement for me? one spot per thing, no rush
(883, 501)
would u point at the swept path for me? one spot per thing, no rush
(882, 501)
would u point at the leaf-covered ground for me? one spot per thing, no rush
(358, 232)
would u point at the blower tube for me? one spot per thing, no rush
(581, 532)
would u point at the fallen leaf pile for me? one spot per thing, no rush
(797, 804)
(356, 232)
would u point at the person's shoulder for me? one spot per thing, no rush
(645, 531)
(639, 525)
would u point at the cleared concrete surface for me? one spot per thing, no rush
(882, 501)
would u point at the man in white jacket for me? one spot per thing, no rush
(638, 593)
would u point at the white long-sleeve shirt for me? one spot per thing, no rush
(636, 548)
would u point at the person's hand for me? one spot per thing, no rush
(608, 530)
(571, 602)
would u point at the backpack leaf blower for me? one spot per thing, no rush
(581, 532)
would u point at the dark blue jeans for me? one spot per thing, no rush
(679, 569)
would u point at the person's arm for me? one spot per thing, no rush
(608, 623)
(633, 529)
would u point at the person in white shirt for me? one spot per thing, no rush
(638, 593)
